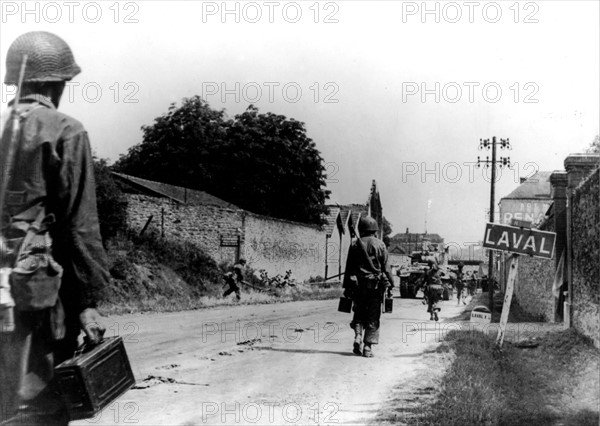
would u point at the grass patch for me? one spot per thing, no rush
(553, 383)
(516, 313)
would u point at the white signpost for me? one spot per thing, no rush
(510, 285)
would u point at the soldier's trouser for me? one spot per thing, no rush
(367, 312)
(434, 295)
(28, 393)
(458, 295)
(231, 290)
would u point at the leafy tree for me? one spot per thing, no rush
(594, 147)
(387, 230)
(264, 163)
(112, 203)
(179, 147)
(273, 168)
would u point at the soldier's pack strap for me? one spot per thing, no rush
(363, 249)
(8, 153)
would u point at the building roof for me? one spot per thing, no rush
(331, 220)
(350, 214)
(396, 249)
(344, 216)
(537, 186)
(176, 193)
(412, 237)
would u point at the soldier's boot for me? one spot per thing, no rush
(358, 332)
(367, 351)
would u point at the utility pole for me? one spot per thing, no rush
(504, 161)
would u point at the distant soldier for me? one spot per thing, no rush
(235, 278)
(460, 284)
(433, 289)
(472, 285)
(49, 226)
(366, 279)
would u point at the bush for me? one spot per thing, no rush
(191, 263)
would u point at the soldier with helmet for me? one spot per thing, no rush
(433, 289)
(234, 278)
(366, 279)
(51, 186)
(460, 284)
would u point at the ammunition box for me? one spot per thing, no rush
(92, 380)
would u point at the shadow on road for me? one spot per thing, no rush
(307, 351)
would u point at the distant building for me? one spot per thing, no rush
(529, 201)
(409, 242)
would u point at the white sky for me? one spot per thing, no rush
(367, 61)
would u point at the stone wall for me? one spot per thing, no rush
(267, 243)
(202, 225)
(586, 257)
(278, 245)
(533, 287)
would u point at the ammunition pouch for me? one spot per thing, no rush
(372, 282)
(36, 278)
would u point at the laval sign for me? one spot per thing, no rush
(519, 240)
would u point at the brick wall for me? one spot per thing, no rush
(586, 257)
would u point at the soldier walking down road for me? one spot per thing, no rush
(366, 279)
(433, 289)
(49, 227)
(234, 278)
(460, 285)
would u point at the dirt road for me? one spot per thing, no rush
(278, 364)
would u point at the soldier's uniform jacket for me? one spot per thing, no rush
(54, 168)
(358, 266)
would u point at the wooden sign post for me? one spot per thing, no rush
(516, 239)
(510, 285)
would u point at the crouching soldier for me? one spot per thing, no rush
(234, 278)
(366, 279)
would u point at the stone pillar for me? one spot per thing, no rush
(578, 166)
(559, 181)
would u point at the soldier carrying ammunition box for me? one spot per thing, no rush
(366, 279)
(50, 239)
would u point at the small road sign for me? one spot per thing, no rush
(519, 240)
(520, 223)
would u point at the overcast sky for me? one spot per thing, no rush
(388, 90)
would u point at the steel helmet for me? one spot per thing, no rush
(49, 58)
(367, 224)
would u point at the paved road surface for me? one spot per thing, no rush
(287, 363)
